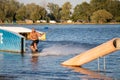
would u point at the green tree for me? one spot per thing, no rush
(54, 11)
(82, 12)
(66, 11)
(11, 6)
(43, 13)
(117, 19)
(2, 14)
(98, 4)
(30, 9)
(21, 13)
(8, 9)
(113, 6)
(101, 16)
(35, 12)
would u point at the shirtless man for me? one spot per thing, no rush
(34, 37)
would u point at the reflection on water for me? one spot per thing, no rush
(89, 74)
(34, 61)
(7, 77)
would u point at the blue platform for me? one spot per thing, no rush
(10, 41)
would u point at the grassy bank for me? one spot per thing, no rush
(54, 23)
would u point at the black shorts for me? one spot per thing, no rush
(35, 41)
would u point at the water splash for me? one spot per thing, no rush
(59, 50)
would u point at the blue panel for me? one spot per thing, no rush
(10, 41)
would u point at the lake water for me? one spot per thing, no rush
(63, 42)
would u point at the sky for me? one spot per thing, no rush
(59, 2)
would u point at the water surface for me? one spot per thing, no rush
(63, 42)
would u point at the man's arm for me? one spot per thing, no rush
(39, 34)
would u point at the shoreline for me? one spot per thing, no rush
(56, 23)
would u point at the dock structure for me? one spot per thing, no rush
(94, 53)
(12, 39)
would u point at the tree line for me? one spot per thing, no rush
(97, 11)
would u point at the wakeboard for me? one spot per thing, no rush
(36, 53)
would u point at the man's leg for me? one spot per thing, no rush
(32, 47)
(35, 46)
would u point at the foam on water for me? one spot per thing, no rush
(61, 48)
(58, 50)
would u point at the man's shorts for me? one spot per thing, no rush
(35, 41)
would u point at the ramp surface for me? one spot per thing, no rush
(94, 53)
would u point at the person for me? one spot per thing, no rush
(34, 36)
